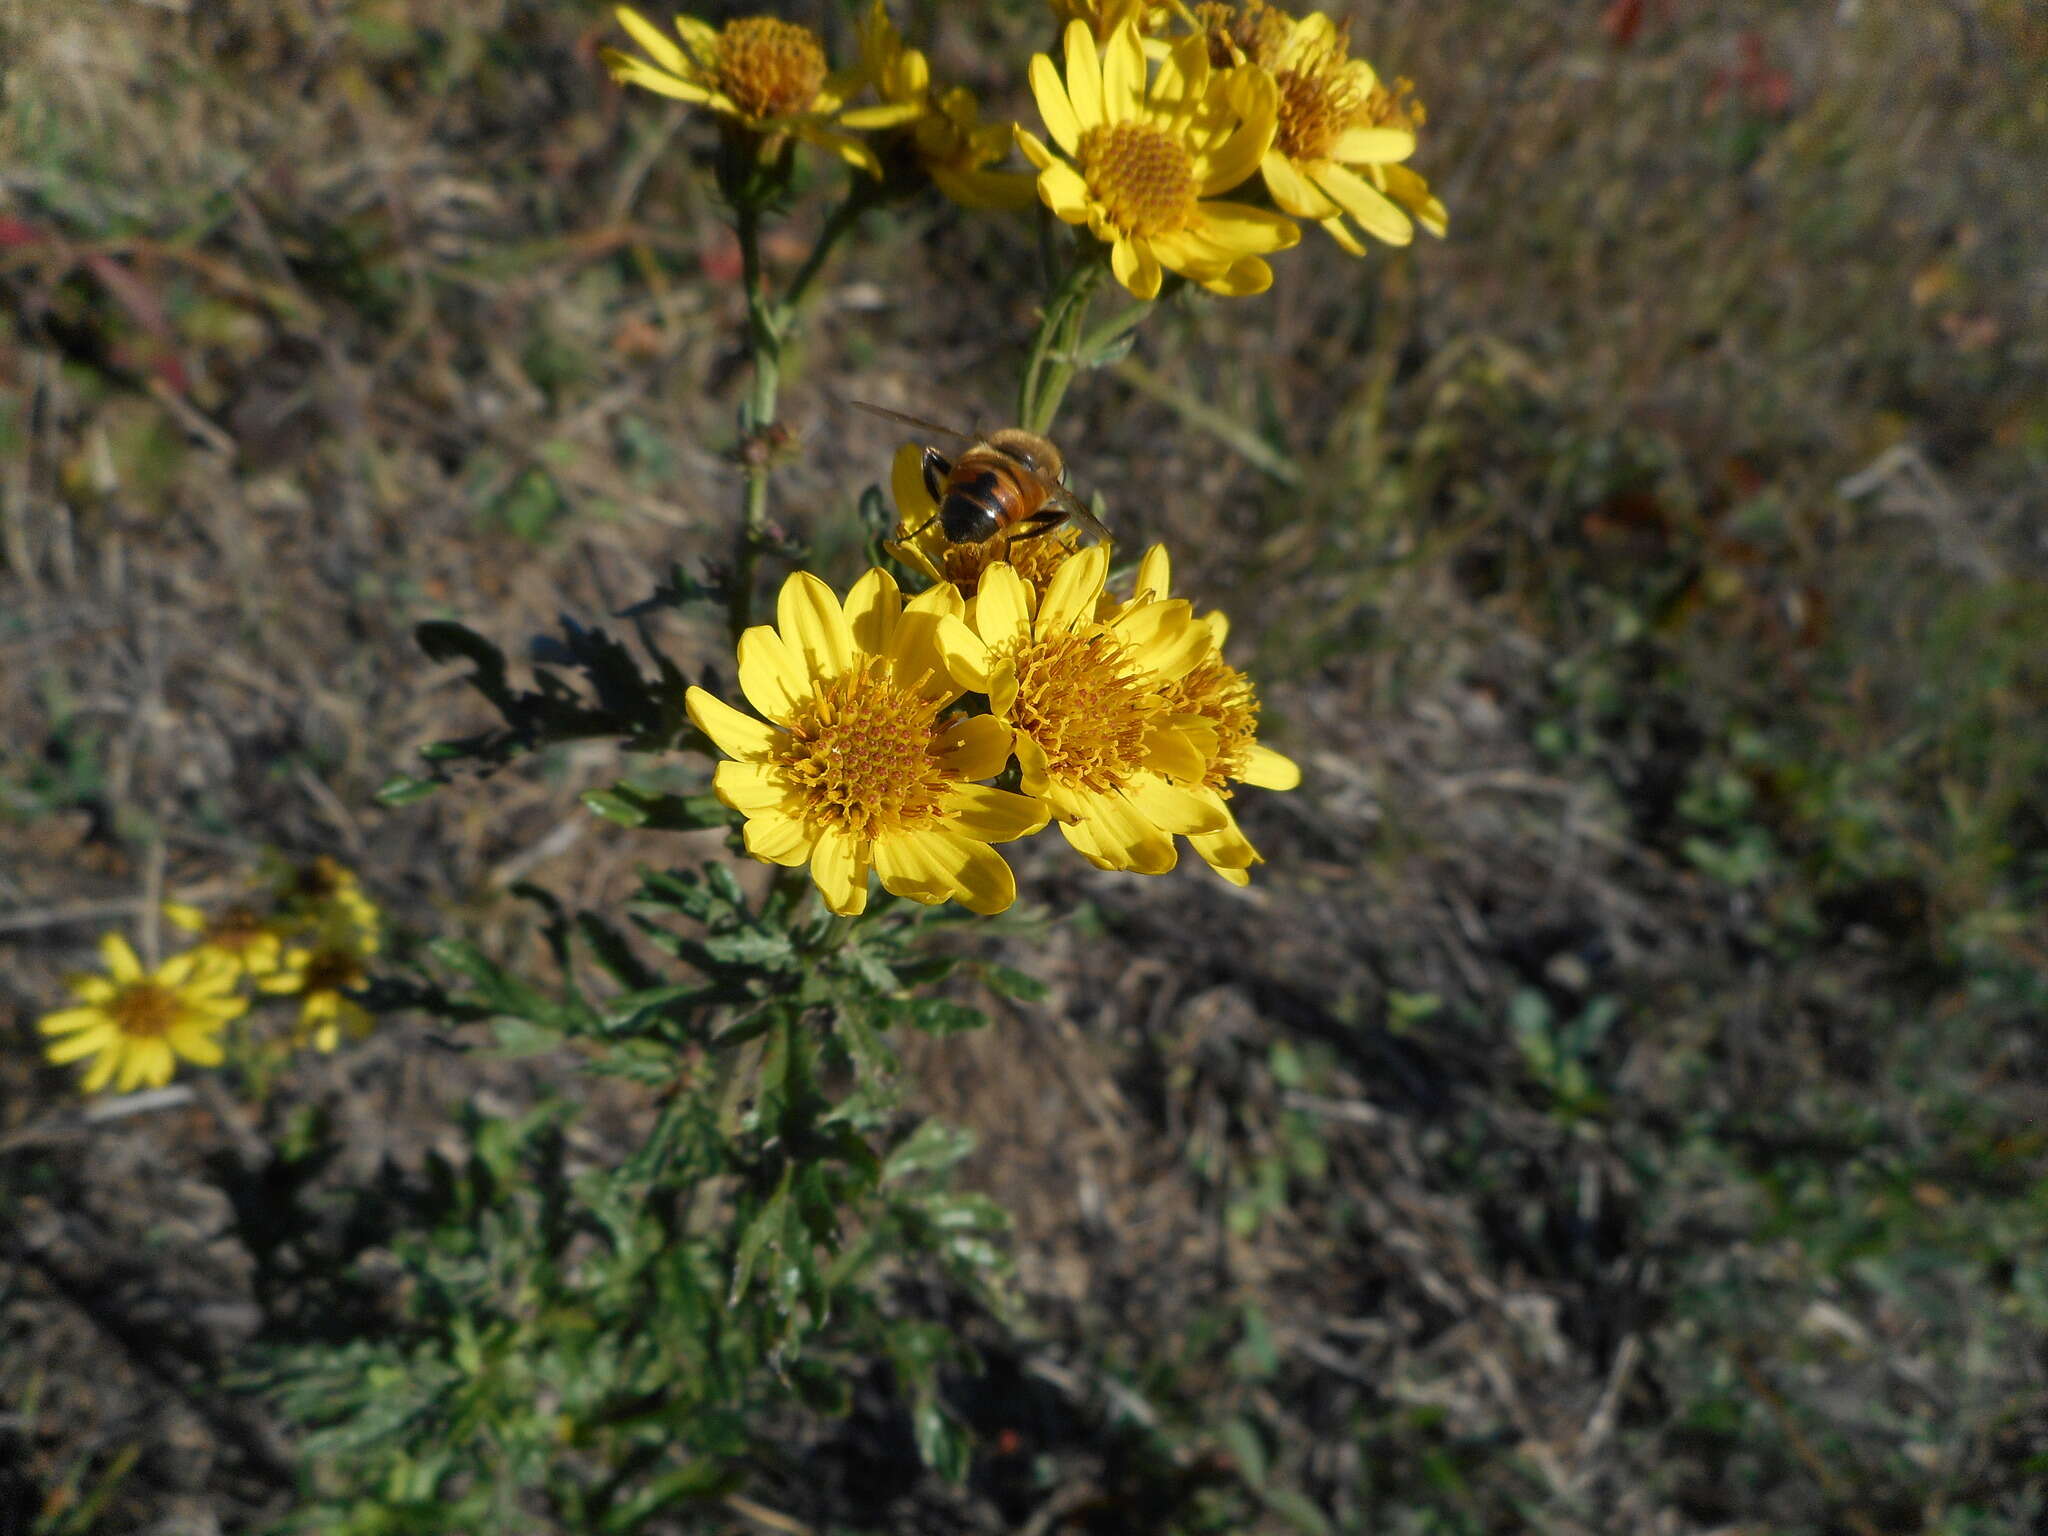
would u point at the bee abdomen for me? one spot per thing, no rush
(973, 509)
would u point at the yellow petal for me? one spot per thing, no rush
(1232, 162)
(1174, 809)
(982, 881)
(1377, 214)
(1227, 849)
(700, 37)
(977, 747)
(888, 114)
(917, 660)
(967, 655)
(1241, 279)
(185, 916)
(1002, 609)
(1269, 769)
(1084, 837)
(1144, 626)
(65, 1020)
(1237, 229)
(988, 191)
(1135, 267)
(814, 626)
(839, 864)
(914, 504)
(1155, 574)
(1054, 105)
(1061, 189)
(657, 43)
(939, 601)
(752, 787)
(1171, 751)
(1070, 597)
(628, 70)
(778, 839)
(1123, 74)
(84, 1043)
(993, 815)
(735, 734)
(1293, 191)
(1377, 146)
(119, 958)
(910, 865)
(149, 1062)
(1032, 147)
(844, 145)
(1002, 688)
(770, 675)
(1084, 77)
(196, 1047)
(872, 608)
(177, 970)
(1340, 232)
(99, 1072)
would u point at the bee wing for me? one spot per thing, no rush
(1076, 509)
(913, 421)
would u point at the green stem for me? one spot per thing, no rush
(1051, 365)
(770, 323)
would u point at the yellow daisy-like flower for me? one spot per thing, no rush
(138, 1024)
(857, 767)
(1341, 133)
(922, 544)
(948, 139)
(1218, 693)
(1105, 16)
(325, 894)
(239, 935)
(1087, 704)
(768, 76)
(321, 975)
(1150, 149)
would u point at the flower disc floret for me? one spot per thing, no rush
(1150, 148)
(138, 1024)
(859, 764)
(1086, 703)
(769, 68)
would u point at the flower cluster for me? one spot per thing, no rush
(309, 942)
(1155, 111)
(1152, 132)
(880, 719)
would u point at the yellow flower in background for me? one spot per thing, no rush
(240, 935)
(321, 975)
(1218, 693)
(856, 768)
(1104, 16)
(1340, 133)
(138, 1024)
(771, 77)
(1149, 150)
(1087, 703)
(324, 894)
(948, 139)
(922, 544)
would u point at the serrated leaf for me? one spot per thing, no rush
(871, 1054)
(871, 969)
(762, 948)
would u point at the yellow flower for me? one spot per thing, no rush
(239, 935)
(1340, 133)
(922, 544)
(324, 894)
(1087, 702)
(321, 975)
(1149, 157)
(858, 770)
(1218, 693)
(1105, 16)
(768, 76)
(948, 139)
(139, 1023)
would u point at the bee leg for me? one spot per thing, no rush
(936, 467)
(1037, 525)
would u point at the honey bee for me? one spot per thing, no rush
(1009, 484)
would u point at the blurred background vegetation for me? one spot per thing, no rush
(1621, 1101)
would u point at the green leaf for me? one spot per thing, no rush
(937, 1016)
(1297, 1509)
(756, 948)
(404, 789)
(932, 1148)
(1241, 1439)
(941, 1443)
(1006, 981)
(764, 1229)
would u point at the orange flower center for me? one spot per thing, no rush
(1142, 176)
(1036, 560)
(859, 753)
(769, 68)
(1249, 31)
(145, 1010)
(1223, 696)
(1081, 699)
